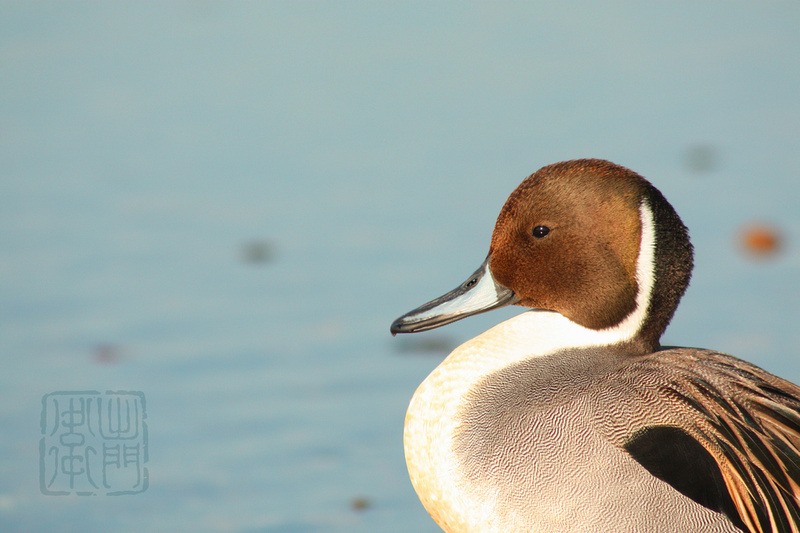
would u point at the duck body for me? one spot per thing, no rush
(571, 416)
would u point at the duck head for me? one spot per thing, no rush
(588, 239)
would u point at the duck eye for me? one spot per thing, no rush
(540, 231)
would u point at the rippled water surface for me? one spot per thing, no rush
(225, 205)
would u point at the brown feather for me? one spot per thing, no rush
(749, 421)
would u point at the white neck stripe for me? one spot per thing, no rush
(645, 278)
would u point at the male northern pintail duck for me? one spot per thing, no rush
(571, 416)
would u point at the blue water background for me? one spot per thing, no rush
(225, 205)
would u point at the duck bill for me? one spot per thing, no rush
(480, 293)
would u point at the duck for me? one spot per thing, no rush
(571, 416)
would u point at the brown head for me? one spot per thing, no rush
(570, 239)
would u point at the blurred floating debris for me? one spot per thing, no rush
(760, 239)
(360, 503)
(438, 345)
(106, 353)
(257, 252)
(701, 158)
(7, 501)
